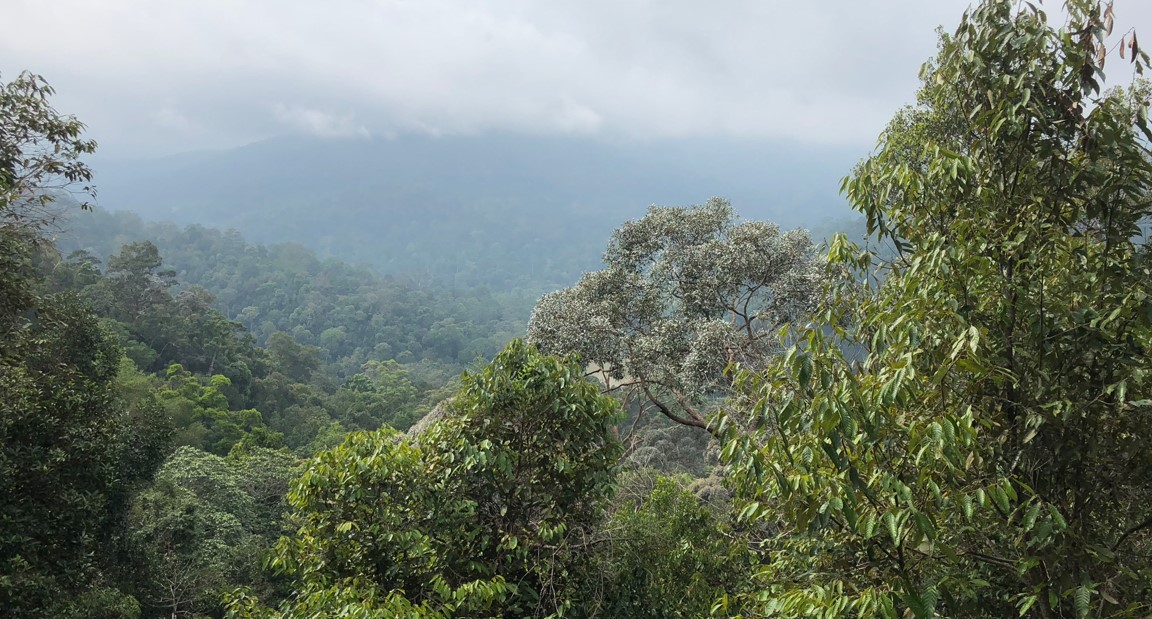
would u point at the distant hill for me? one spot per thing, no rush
(352, 314)
(515, 214)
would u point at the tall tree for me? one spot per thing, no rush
(686, 292)
(67, 446)
(40, 152)
(968, 435)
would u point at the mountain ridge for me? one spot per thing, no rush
(505, 211)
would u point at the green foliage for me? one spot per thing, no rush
(70, 450)
(966, 435)
(136, 282)
(156, 327)
(40, 152)
(476, 518)
(60, 435)
(204, 524)
(654, 442)
(296, 386)
(215, 379)
(664, 553)
(381, 394)
(202, 417)
(534, 441)
(97, 603)
(295, 360)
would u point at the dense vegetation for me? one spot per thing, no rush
(947, 420)
(983, 452)
(352, 314)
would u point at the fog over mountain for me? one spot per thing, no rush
(498, 210)
(491, 141)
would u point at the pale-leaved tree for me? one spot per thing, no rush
(686, 292)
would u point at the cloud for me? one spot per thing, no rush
(824, 71)
(319, 123)
(172, 119)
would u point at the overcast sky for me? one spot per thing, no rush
(154, 77)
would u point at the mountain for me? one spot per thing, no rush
(515, 214)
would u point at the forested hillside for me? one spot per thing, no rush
(724, 417)
(519, 215)
(351, 313)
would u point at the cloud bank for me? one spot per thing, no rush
(182, 74)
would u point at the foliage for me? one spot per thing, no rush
(70, 450)
(686, 292)
(535, 441)
(664, 553)
(202, 417)
(968, 435)
(657, 443)
(59, 428)
(381, 394)
(204, 524)
(40, 151)
(217, 383)
(472, 519)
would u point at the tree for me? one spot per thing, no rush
(137, 290)
(966, 436)
(534, 440)
(686, 292)
(296, 361)
(203, 419)
(381, 394)
(69, 449)
(40, 152)
(475, 517)
(59, 428)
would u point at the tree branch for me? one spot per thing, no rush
(695, 422)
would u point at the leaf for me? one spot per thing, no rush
(1032, 514)
(1009, 490)
(924, 525)
(1083, 601)
(805, 371)
(919, 607)
(999, 497)
(893, 528)
(1027, 604)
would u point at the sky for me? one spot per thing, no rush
(153, 78)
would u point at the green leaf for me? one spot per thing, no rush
(1026, 604)
(893, 527)
(1083, 601)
